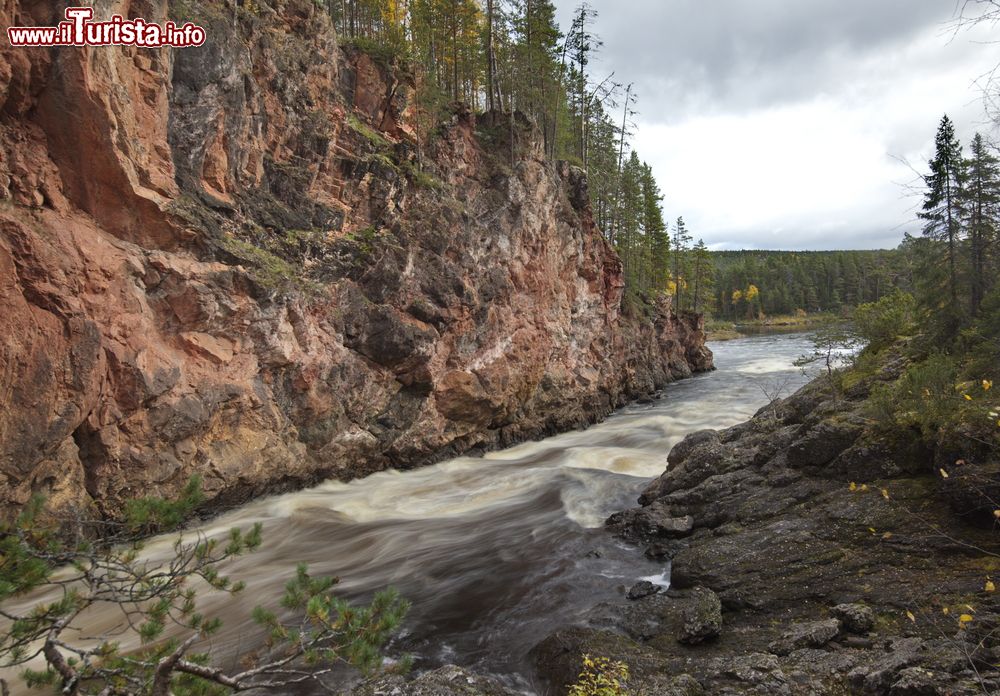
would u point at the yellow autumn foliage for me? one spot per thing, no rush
(601, 677)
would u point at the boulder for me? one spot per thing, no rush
(642, 589)
(884, 672)
(854, 618)
(812, 634)
(651, 523)
(702, 617)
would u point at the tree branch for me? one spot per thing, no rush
(165, 668)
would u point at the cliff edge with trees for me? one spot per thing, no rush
(282, 257)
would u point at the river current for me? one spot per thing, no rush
(494, 552)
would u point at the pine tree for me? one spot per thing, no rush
(622, 139)
(630, 242)
(656, 231)
(492, 86)
(445, 36)
(159, 601)
(537, 54)
(582, 43)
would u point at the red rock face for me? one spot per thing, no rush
(230, 260)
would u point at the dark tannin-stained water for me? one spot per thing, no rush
(494, 552)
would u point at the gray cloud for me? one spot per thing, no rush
(743, 101)
(745, 54)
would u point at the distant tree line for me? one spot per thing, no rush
(951, 267)
(752, 284)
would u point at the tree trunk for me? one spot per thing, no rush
(490, 57)
(454, 57)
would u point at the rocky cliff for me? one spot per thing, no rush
(254, 261)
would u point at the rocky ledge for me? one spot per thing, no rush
(809, 554)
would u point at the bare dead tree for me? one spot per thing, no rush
(773, 390)
(968, 15)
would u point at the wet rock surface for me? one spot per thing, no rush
(830, 576)
(642, 589)
(446, 681)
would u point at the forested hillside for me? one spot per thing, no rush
(749, 284)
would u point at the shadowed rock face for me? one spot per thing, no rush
(230, 260)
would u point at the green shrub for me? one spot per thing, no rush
(268, 269)
(152, 515)
(367, 132)
(982, 340)
(601, 677)
(879, 323)
(933, 398)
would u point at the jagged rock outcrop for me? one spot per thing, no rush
(828, 543)
(231, 260)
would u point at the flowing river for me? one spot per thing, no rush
(494, 552)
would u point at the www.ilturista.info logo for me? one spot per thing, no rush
(78, 30)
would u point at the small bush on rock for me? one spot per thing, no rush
(601, 677)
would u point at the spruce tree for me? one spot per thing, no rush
(701, 274)
(630, 239)
(982, 195)
(682, 242)
(942, 210)
(657, 234)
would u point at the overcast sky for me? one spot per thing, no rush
(779, 124)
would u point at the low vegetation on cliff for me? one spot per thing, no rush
(512, 56)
